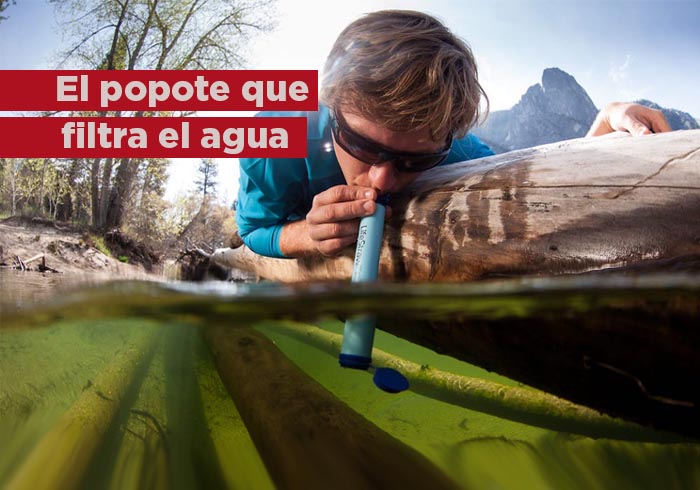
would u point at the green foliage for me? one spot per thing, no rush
(99, 244)
(148, 35)
(145, 222)
(142, 34)
(181, 212)
(212, 226)
(34, 186)
(136, 34)
(124, 259)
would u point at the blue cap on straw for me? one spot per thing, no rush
(390, 380)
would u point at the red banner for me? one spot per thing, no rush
(158, 90)
(153, 137)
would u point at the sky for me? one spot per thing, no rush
(617, 50)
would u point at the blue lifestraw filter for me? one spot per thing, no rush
(358, 335)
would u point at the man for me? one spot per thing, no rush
(398, 95)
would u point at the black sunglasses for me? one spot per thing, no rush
(371, 153)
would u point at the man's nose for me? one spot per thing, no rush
(383, 177)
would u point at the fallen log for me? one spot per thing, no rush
(42, 267)
(36, 257)
(515, 403)
(624, 347)
(569, 207)
(19, 264)
(62, 457)
(308, 438)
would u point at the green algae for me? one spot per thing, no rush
(479, 450)
(86, 406)
(176, 426)
(517, 403)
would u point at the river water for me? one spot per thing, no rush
(136, 385)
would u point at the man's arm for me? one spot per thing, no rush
(632, 118)
(270, 190)
(295, 241)
(270, 193)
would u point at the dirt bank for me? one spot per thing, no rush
(65, 249)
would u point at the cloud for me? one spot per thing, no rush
(635, 94)
(620, 72)
(624, 82)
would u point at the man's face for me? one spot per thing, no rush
(382, 177)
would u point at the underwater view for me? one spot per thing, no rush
(222, 385)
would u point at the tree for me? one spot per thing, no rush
(206, 180)
(38, 186)
(65, 201)
(14, 166)
(155, 35)
(3, 5)
(145, 219)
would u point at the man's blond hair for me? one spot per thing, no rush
(405, 71)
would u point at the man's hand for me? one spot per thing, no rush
(331, 224)
(632, 118)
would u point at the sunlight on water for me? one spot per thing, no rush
(132, 385)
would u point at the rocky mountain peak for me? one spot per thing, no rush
(564, 96)
(556, 109)
(676, 119)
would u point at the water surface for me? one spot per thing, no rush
(114, 386)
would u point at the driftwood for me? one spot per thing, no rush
(62, 457)
(21, 265)
(524, 405)
(308, 438)
(196, 265)
(42, 267)
(624, 349)
(36, 257)
(569, 207)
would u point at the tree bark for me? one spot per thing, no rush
(95, 192)
(121, 191)
(13, 184)
(123, 186)
(64, 211)
(105, 192)
(569, 207)
(42, 191)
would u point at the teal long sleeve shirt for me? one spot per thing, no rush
(275, 191)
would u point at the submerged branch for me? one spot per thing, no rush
(520, 404)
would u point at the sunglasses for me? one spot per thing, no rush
(371, 153)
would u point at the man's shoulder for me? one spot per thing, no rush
(468, 147)
(317, 122)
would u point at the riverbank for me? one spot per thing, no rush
(65, 250)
